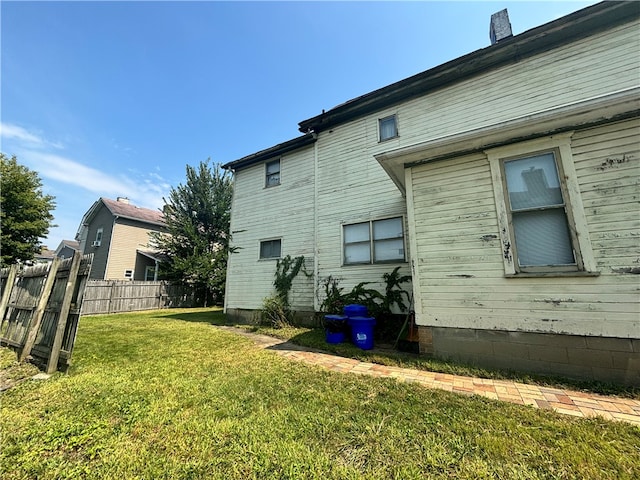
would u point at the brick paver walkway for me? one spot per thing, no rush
(578, 404)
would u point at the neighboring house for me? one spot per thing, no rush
(117, 233)
(45, 256)
(506, 181)
(67, 248)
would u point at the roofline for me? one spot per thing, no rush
(580, 24)
(274, 151)
(90, 214)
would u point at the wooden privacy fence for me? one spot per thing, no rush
(40, 309)
(113, 296)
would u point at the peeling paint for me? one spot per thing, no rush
(629, 270)
(555, 301)
(612, 162)
(461, 275)
(488, 238)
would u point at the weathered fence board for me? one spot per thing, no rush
(113, 296)
(41, 316)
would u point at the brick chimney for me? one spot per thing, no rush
(500, 27)
(123, 200)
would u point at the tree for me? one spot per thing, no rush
(196, 244)
(25, 212)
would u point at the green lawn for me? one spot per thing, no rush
(165, 395)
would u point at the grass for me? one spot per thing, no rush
(164, 395)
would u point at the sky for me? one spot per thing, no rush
(109, 99)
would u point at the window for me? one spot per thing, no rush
(388, 128)
(98, 241)
(542, 228)
(270, 248)
(377, 241)
(150, 273)
(272, 173)
(128, 274)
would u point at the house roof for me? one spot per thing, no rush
(69, 243)
(582, 23)
(124, 210)
(272, 152)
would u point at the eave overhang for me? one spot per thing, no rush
(272, 152)
(568, 29)
(588, 113)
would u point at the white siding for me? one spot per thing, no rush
(589, 68)
(462, 282)
(352, 187)
(284, 211)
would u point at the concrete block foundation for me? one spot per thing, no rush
(615, 360)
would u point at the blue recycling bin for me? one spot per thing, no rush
(334, 328)
(355, 310)
(362, 331)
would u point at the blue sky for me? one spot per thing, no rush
(116, 98)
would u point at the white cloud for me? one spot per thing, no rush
(144, 192)
(18, 133)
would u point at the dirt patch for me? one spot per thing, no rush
(13, 372)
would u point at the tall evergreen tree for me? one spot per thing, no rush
(198, 216)
(25, 212)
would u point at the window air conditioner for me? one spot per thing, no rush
(96, 243)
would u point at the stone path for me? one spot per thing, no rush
(578, 404)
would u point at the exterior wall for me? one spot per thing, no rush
(459, 255)
(583, 70)
(103, 219)
(352, 187)
(462, 285)
(285, 211)
(127, 237)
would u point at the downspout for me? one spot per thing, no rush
(316, 262)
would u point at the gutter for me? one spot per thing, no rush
(271, 152)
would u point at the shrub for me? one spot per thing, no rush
(275, 312)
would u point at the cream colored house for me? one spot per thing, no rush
(506, 181)
(117, 233)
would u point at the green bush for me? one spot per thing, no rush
(275, 312)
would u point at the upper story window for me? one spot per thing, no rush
(98, 241)
(272, 173)
(270, 248)
(388, 127)
(542, 227)
(378, 241)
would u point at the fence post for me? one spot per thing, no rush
(8, 287)
(36, 321)
(52, 364)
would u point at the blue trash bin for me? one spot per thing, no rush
(362, 331)
(355, 310)
(334, 328)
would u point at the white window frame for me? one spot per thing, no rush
(268, 175)
(277, 239)
(560, 145)
(372, 243)
(382, 120)
(128, 274)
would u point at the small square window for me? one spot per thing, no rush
(128, 274)
(272, 173)
(388, 128)
(270, 248)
